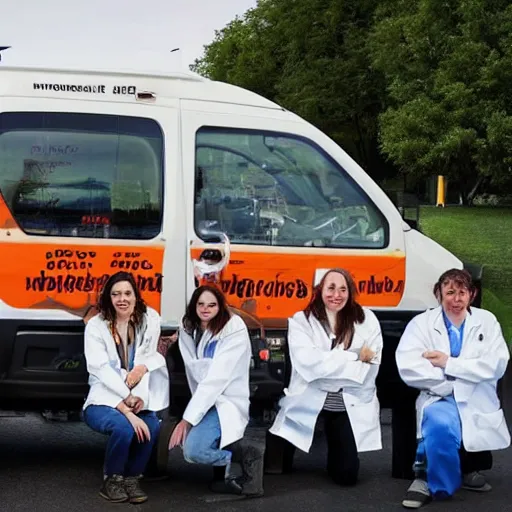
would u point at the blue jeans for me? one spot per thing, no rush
(125, 455)
(439, 448)
(202, 443)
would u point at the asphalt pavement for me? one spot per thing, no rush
(53, 466)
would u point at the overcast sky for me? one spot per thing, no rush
(137, 25)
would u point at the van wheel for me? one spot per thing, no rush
(162, 450)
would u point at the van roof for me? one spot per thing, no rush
(139, 64)
(86, 60)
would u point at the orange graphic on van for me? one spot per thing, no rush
(38, 273)
(271, 284)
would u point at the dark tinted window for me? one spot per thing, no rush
(87, 175)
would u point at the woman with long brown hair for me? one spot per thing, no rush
(216, 350)
(335, 348)
(128, 382)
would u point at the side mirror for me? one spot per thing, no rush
(214, 258)
(413, 223)
(209, 232)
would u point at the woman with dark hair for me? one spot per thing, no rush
(454, 354)
(128, 382)
(216, 350)
(335, 349)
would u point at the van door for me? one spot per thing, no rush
(82, 196)
(293, 205)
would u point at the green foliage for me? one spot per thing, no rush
(427, 84)
(310, 56)
(448, 69)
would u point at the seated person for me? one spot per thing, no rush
(128, 382)
(335, 349)
(216, 351)
(454, 354)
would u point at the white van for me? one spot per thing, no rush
(124, 169)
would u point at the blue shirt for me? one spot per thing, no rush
(455, 335)
(210, 346)
(209, 349)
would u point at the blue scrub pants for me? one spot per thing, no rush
(439, 447)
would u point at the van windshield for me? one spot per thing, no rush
(278, 189)
(82, 174)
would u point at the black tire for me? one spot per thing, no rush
(162, 449)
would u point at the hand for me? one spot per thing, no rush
(135, 403)
(134, 377)
(366, 354)
(123, 408)
(140, 427)
(437, 358)
(179, 434)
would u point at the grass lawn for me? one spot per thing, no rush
(483, 236)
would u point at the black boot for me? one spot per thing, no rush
(250, 456)
(223, 483)
(132, 487)
(229, 485)
(252, 469)
(113, 489)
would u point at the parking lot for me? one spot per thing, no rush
(57, 467)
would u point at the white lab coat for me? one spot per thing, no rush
(482, 361)
(222, 381)
(316, 370)
(107, 378)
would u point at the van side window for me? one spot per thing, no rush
(268, 188)
(84, 175)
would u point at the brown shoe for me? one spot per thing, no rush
(132, 487)
(113, 489)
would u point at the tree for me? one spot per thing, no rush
(310, 56)
(448, 68)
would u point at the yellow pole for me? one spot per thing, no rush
(440, 191)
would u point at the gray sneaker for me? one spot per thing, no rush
(132, 487)
(417, 495)
(113, 489)
(475, 482)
